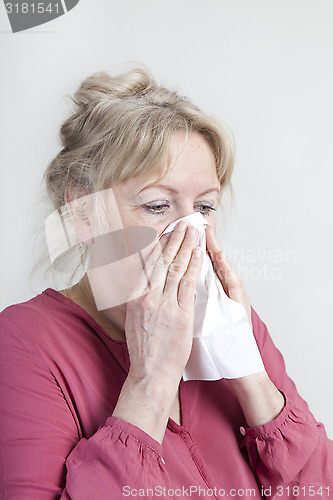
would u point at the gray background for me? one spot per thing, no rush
(265, 68)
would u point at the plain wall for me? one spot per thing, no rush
(262, 66)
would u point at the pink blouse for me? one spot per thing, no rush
(60, 379)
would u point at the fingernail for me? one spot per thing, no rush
(181, 226)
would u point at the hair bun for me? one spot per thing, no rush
(102, 86)
(96, 93)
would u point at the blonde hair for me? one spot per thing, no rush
(121, 128)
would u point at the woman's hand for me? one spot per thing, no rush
(228, 277)
(159, 324)
(159, 331)
(260, 400)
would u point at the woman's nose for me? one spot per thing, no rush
(184, 211)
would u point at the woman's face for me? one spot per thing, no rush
(191, 185)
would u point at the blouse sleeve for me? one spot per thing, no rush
(291, 455)
(116, 462)
(42, 456)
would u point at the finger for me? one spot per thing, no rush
(188, 283)
(211, 242)
(230, 276)
(235, 286)
(156, 266)
(142, 285)
(219, 273)
(229, 279)
(216, 255)
(158, 272)
(179, 265)
(156, 254)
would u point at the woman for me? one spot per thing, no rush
(93, 401)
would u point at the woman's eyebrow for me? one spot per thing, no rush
(169, 188)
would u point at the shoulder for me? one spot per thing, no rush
(22, 316)
(23, 331)
(31, 308)
(44, 323)
(28, 317)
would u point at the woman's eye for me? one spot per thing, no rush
(161, 208)
(205, 209)
(156, 208)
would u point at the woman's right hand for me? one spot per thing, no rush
(159, 324)
(159, 331)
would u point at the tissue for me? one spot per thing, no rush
(223, 342)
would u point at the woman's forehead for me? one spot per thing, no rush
(190, 161)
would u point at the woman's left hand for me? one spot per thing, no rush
(228, 277)
(260, 400)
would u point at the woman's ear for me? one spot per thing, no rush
(78, 208)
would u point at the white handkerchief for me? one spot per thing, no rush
(223, 342)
